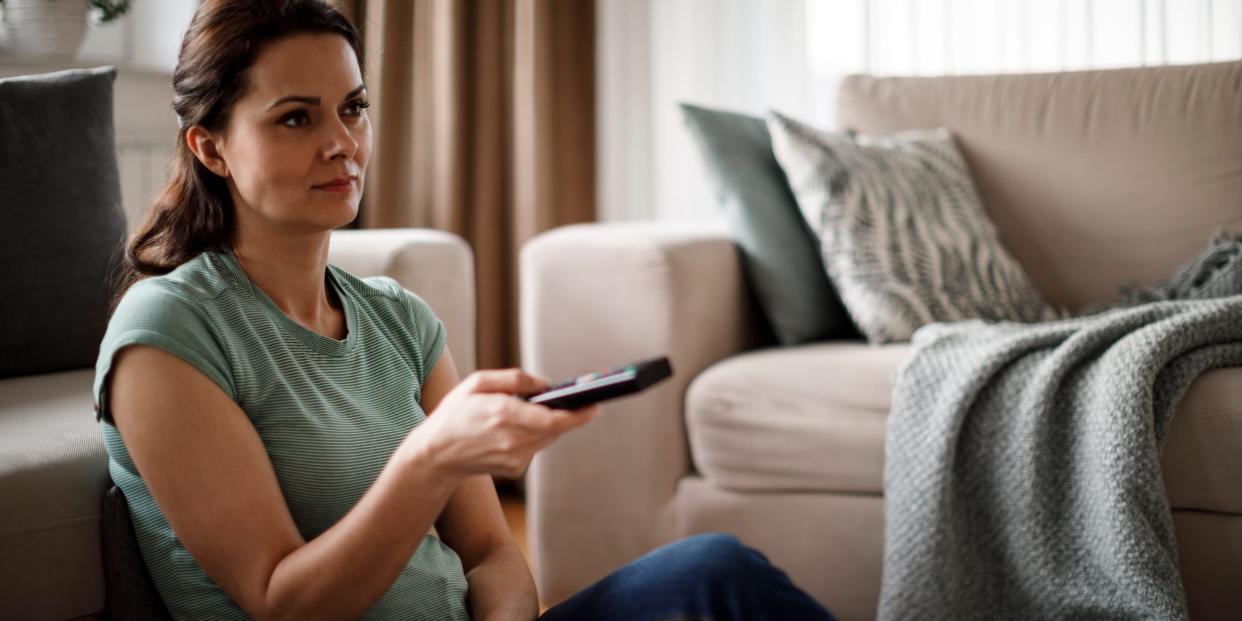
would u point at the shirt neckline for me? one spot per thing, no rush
(313, 340)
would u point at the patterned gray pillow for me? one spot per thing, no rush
(902, 231)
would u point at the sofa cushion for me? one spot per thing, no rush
(809, 418)
(813, 419)
(64, 226)
(1202, 461)
(53, 475)
(780, 254)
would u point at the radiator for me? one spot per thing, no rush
(143, 165)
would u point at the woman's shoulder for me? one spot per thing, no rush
(190, 289)
(172, 312)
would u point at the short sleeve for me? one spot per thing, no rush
(156, 314)
(430, 330)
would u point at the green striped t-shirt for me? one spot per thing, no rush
(329, 412)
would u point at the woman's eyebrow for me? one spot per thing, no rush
(314, 101)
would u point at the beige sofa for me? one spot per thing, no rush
(53, 468)
(1094, 179)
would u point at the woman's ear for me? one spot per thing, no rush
(204, 147)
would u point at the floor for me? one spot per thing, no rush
(514, 506)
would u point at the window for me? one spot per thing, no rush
(755, 55)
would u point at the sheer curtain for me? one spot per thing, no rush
(755, 55)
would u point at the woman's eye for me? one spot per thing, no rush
(297, 118)
(355, 107)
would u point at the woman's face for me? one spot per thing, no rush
(298, 139)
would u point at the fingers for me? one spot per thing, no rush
(566, 420)
(511, 381)
(518, 430)
(539, 418)
(559, 423)
(587, 413)
(508, 411)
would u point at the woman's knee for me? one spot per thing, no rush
(718, 557)
(724, 545)
(711, 575)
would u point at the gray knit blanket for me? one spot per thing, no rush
(1022, 476)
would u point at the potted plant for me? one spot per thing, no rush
(54, 27)
(107, 10)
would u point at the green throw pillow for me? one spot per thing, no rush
(780, 253)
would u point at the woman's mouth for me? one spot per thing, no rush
(341, 185)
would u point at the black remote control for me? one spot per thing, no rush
(591, 388)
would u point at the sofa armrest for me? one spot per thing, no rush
(436, 265)
(595, 296)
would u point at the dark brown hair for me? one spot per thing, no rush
(194, 211)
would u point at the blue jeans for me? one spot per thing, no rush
(710, 577)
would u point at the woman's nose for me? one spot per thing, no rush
(340, 142)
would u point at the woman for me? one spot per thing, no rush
(264, 412)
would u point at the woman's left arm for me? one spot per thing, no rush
(473, 525)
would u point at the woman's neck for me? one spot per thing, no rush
(292, 272)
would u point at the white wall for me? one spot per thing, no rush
(789, 55)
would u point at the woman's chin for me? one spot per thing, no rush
(346, 217)
(328, 217)
(343, 205)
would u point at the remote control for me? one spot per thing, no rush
(591, 388)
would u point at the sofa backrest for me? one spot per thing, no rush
(1095, 179)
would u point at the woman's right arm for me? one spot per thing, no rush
(208, 471)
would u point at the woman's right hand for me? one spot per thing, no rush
(480, 427)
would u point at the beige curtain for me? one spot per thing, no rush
(484, 114)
